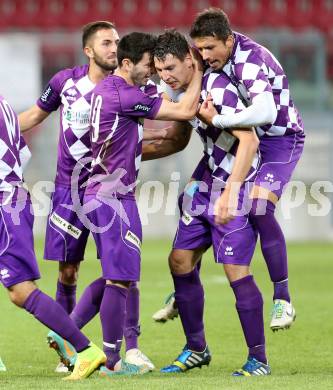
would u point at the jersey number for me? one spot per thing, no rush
(95, 116)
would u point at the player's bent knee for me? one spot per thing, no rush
(119, 283)
(235, 272)
(68, 273)
(180, 262)
(20, 292)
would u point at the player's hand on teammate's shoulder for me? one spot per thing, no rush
(207, 110)
(197, 60)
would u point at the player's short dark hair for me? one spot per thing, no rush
(211, 22)
(91, 28)
(134, 45)
(171, 42)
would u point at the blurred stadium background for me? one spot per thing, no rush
(40, 37)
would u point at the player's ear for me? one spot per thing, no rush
(88, 52)
(229, 41)
(126, 64)
(188, 60)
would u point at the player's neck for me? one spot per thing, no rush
(123, 74)
(96, 73)
(185, 86)
(232, 46)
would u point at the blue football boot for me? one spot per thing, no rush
(125, 369)
(253, 368)
(189, 359)
(64, 349)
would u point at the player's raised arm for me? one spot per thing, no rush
(227, 204)
(155, 134)
(261, 112)
(175, 140)
(31, 118)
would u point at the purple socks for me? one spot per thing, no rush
(51, 314)
(189, 296)
(112, 313)
(66, 296)
(273, 246)
(132, 327)
(89, 303)
(249, 305)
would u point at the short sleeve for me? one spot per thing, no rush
(136, 103)
(50, 99)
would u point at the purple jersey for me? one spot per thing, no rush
(253, 69)
(13, 151)
(117, 115)
(220, 146)
(71, 90)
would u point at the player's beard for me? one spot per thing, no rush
(139, 78)
(105, 65)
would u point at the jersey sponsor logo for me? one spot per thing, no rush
(141, 107)
(186, 218)
(46, 94)
(4, 273)
(65, 225)
(133, 239)
(229, 251)
(76, 118)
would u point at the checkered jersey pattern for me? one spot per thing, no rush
(12, 150)
(71, 90)
(220, 146)
(152, 89)
(253, 69)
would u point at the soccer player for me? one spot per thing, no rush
(263, 86)
(229, 159)
(175, 71)
(18, 264)
(2, 366)
(118, 107)
(66, 236)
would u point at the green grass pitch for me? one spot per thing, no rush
(301, 358)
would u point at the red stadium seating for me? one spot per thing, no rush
(323, 15)
(153, 14)
(300, 13)
(250, 14)
(7, 12)
(148, 14)
(275, 14)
